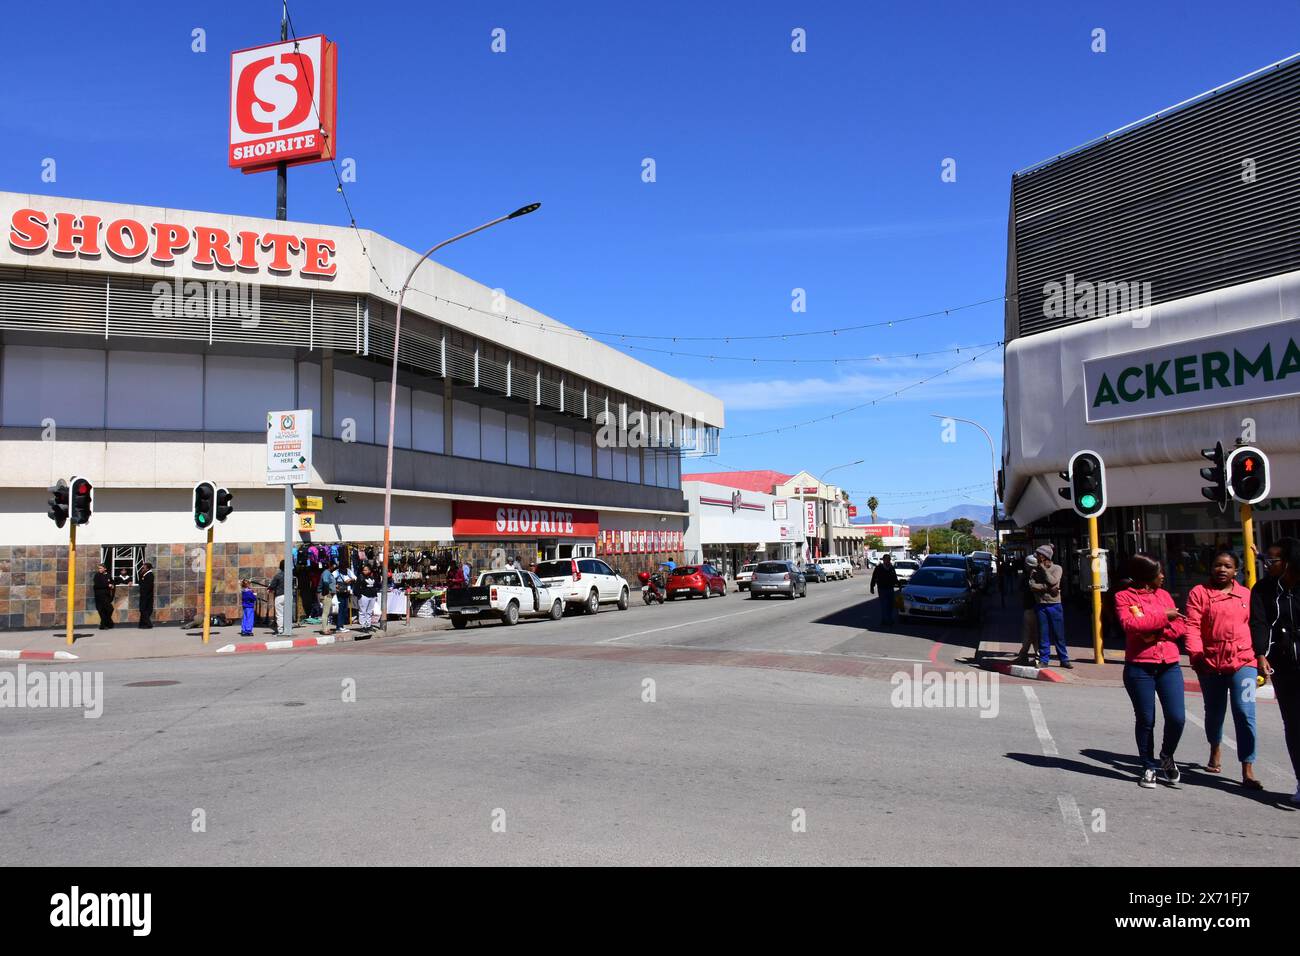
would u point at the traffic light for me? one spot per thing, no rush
(205, 498)
(81, 500)
(225, 503)
(1086, 474)
(1247, 470)
(1217, 475)
(59, 503)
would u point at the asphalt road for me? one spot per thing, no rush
(538, 744)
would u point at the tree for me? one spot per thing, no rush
(872, 504)
(962, 525)
(874, 542)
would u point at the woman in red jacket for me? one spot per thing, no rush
(1152, 628)
(1219, 644)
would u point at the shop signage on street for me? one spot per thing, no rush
(1250, 365)
(486, 519)
(288, 447)
(283, 103)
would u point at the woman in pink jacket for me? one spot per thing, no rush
(1219, 644)
(1152, 628)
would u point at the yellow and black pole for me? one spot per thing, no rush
(1098, 654)
(207, 588)
(72, 579)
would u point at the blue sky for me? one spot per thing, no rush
(774, 171)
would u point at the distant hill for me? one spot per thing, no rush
(980, 514)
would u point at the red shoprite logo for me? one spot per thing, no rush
(128, 240)
(283, 105)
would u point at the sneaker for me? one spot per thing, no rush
(1042, 663)
(1148, 779)
(344, 630)
(1067, 665)
(1295, 797)
(1169, 770)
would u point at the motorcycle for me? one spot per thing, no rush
(652, 587)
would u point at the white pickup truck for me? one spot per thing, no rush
(503, 595)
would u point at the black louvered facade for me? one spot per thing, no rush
(1165, 203)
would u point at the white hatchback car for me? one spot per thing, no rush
(837, 566)
(585, 582)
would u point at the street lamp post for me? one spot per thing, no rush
(822, 481)
(392, 397)
(993, 458)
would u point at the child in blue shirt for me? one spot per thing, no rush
(248, 603)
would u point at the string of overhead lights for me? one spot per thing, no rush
(957, 349)
(869, 404)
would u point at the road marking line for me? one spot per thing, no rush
(1072, 815)
(673, 627)
(1040, 724)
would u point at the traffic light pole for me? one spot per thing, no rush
(72, 578)
(1248, 535)
(207, 589)
(1098, 653)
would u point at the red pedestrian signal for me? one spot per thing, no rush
(1248, 475)
(81, 500)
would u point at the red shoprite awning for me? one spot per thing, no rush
(487, 519)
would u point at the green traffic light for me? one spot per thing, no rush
(1088, 502)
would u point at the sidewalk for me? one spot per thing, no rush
(128, 642)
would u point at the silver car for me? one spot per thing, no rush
(938, 593)
(777, 577)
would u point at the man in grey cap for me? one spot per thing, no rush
(1045, 583)
(1029, 620)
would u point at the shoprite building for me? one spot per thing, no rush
(143, 347)
(1153, 287)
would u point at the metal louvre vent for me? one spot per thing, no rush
(1166, 209)
(491, 374)
(573, 401)
(550, 396)
(460, 364)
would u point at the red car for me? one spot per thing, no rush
(692, 579)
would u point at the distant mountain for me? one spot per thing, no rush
(980, 514)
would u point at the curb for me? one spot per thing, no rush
(276, 645)
(37, 656)
(1023, 671)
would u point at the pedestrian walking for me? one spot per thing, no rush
(247, 608)
(1045, 582)
(1219, 643)
(1153, 626)
(368, 588)
(1029, 619)
(276, 590)
(104, 589)
(146, 595)
(885, 577)
(1273, 623)
(327, 579)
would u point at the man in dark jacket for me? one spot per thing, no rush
(146, 595)
(1274, 616)
(104, 590)
(885, 577)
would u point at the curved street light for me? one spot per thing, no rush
(822, 481)
(993, 458)
(392, 396)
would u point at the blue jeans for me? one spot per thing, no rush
(886, 605)
(1144, 683)
(1051, 630)
(1237, 689)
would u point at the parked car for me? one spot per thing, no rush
(585, 582)
(984, 559)
(816, 571)
(503, 596)
(778, 577)
(743, 576)
(940, 592)
(905, 568)
(690, 580)
(837, 566)
(963, 561)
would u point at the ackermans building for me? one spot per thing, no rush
(142, 348)
(1153, 285)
